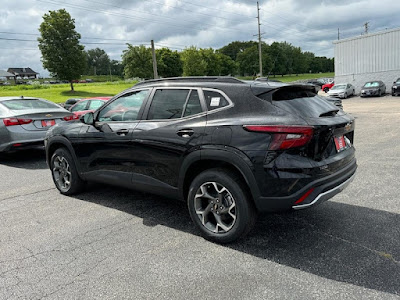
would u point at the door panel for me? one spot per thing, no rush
(105, 150)
(161, 145)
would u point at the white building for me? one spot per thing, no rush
(374, 56)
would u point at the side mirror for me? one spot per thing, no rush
(88, 118)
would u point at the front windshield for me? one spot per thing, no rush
(398, 81)
(371, 84)
(338, 87)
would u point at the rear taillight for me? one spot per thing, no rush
(16, 121)
(71, 118)
(284, 137)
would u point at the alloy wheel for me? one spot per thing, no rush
(215, 207)
(62, 172)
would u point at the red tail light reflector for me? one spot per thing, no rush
(71, 118)
(284, 137)
(16, 121)
(302, 198)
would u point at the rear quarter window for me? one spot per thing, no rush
(214, 100)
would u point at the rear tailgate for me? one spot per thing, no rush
(41, 120)
(332, 144)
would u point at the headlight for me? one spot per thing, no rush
(395, 87)
(362, 91)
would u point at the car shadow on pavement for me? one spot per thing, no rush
(32, 159)
(341, 242)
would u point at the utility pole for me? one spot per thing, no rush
(366, 27)
(154, 60)
(259, 39)
(338, 34)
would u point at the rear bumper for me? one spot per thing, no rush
(319, 191)
(21, 145)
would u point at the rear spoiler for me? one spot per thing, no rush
(283, 91)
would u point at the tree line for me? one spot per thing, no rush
(66, 59)
(236, 58)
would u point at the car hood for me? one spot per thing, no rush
(336, 91)
(370, 88)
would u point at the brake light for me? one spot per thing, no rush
(284, 137)
(16, 121)
(71, 118)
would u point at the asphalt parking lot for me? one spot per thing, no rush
(118, 244)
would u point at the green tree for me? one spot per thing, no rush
(62, 55)
(227, 65)
(212, 60)
(193, 62)
(116, 68)
(137, 61)
(98, 62)
(169, 63)
(234, 48)
(249, 61)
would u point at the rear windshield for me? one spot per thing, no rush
(22, 104)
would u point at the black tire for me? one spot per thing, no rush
(326, 90)
(233, 201)
(345, 95)
(63, 170)
(380, 93)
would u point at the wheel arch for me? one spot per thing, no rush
(60, 142)
(232, 160)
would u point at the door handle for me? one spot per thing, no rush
(185, 133)
(122, 132)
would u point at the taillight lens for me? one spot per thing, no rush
(16, 121)
(71, 118)
(284, 137)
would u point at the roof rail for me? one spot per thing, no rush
(224, 79)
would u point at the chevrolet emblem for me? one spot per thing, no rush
(49, 115)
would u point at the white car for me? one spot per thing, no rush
(341, 90)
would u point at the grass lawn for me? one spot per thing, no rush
(289, 78)
(61, 92)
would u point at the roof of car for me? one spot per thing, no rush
(17, 98)
(96, 98)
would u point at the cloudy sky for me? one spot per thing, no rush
(109, 24)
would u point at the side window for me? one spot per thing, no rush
(125, 108)
(214, 100)
(80, 106)
(193, 105)
(168, 104)
(95, 104)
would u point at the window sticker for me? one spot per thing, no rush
(215, 101)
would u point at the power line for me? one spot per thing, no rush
(179, 47)
(53, 2)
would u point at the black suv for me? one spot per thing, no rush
(228, 148)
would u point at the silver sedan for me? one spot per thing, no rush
(342, 90)
(24, 121)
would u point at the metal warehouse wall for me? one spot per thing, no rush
(368, 57)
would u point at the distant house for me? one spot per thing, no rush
(23, 72)
(4, 74)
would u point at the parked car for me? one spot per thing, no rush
(317, 82)
(87, 105)
(396, 87)
(227, 148)
(24, 121)
(342, 90)
(373, 88)
(327, 86)
(335, 101)
(267, 79)
(70, 102)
